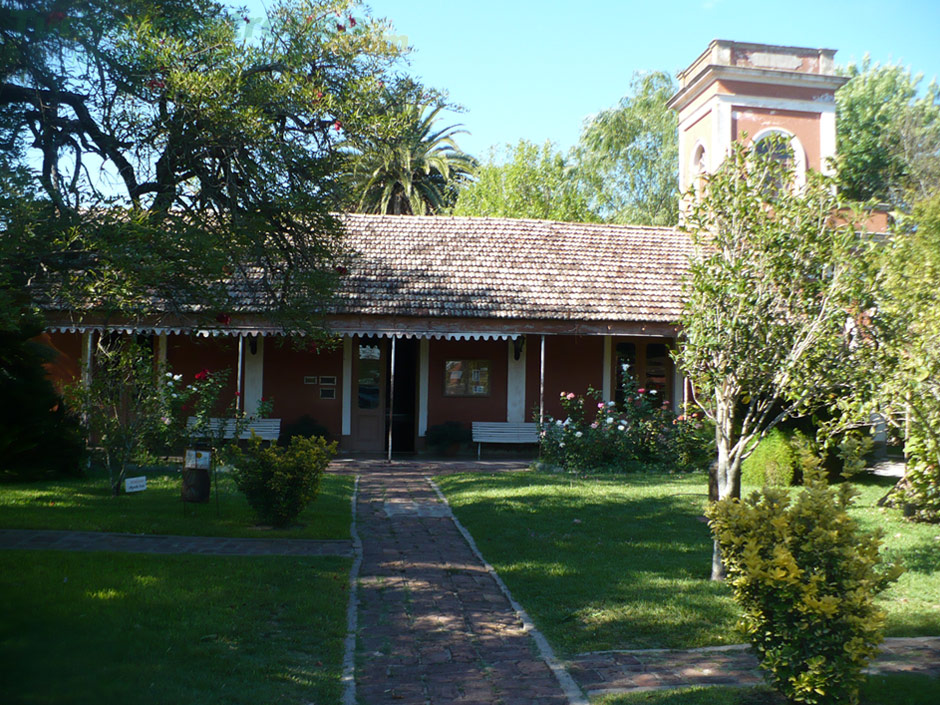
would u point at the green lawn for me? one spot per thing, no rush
(623, 562)
(127, 628)
(87, 504)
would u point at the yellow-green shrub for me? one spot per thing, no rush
(279, 483)
(806, 577)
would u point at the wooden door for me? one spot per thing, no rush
(370, 363)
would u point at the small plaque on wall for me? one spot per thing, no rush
(328, 380)
(310, 379)
(327, 392)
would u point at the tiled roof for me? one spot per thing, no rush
(504, 268)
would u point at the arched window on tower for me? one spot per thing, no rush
(784, 147)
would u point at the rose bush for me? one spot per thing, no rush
(643, 431)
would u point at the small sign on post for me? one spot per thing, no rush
(135, 484)
(197, 459)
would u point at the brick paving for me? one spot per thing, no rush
(434, 626)
(609, 672)
(32, 540)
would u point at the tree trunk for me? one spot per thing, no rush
(727, 482)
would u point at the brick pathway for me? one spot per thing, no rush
(608, 672)
(434, 626)
(31, 540)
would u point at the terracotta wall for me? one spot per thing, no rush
(572, 364)
(467, 409)
(286, 366)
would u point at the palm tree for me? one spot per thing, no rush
(415, 171)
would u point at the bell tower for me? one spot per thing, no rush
(738, 88)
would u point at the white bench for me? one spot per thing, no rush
(265, 429)
(503, 432)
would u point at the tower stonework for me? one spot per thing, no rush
(735, 89)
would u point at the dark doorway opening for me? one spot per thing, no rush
(405, 400)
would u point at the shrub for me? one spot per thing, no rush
(806, 577)
(279, 483)
(447, 433)
(304, 427)
(38, 438)
(775, 460)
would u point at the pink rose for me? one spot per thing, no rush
(570, 396)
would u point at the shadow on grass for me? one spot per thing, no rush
(92, 628)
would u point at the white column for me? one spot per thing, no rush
(678, 391)
(424, 347)
(88, 338)
(239, 374)
(542, 384)
(161, 353)
(254, 376)
(515, 385)
(347, 385)
(722, 131)
(391, 398)
(827, 140)
(607, 381)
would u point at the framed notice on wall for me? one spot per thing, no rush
(467, 378)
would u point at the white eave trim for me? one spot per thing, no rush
(715, 72)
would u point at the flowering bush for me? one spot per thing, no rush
(598, 435)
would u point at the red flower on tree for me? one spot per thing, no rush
(203, 373)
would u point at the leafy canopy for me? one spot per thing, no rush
(171, 150)
(525, 181)
(888, 135)
(415, 170)
(628, 156)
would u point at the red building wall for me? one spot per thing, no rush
(285, 368)
(467, 409)
(572, 364)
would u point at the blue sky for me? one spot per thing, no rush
(536, 70)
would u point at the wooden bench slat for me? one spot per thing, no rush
(503, 432)
(265, 429)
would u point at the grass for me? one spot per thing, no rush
(623, 562)
(877, 690)
(83, 628)
(87, 505)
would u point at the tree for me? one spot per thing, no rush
(628, 156)
(532, 182)
(770, 289)
(160, 150)
(415, 170)
(888, 136)
(900, 379)
(126, 407)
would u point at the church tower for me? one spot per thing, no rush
(738, 88)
